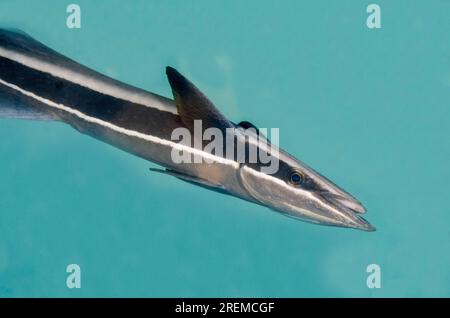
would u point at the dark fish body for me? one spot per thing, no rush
(39, 83)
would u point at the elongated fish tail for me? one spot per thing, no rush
(13, 104)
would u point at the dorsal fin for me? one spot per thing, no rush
(192, 104)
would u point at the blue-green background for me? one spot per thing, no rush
(370, 109)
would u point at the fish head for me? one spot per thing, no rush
(296, 190)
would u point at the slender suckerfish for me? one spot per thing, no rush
(41, 84)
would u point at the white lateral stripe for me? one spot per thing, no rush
(86, 81)
(122, 130)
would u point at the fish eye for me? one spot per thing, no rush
(296, 177)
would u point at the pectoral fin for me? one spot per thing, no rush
(191, 179)
(246, 125)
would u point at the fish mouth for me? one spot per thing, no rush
(326, 209)
(345, 200)
(364, 225)
(345, 212)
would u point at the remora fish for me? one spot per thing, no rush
(39, 83)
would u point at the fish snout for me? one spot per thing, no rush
(346, 200)
(342, 212)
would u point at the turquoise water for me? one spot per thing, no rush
(370, 109)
